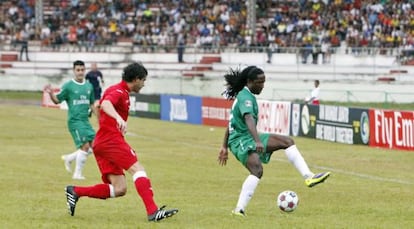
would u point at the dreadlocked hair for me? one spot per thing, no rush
(237, 79)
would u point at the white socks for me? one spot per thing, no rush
(72, 156)
(138, 174)
(297, 160)
(80, 163)
(247, 191)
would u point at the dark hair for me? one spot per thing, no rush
(236, 80)
(134, 71)
(78, 63)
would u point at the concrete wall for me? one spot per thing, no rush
(346, 78)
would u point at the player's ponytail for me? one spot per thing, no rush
(236, 80)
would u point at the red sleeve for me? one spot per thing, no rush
(113, 96)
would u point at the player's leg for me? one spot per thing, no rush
(83, 138)
(68, 158)
(255, 168)
(98, 191)
(81, 158)
(277, 142)
(144, 189)
(113, 185)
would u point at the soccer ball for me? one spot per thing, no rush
(287, 201)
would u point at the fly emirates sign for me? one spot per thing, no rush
(392, 129)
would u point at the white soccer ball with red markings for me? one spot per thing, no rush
(287, 201)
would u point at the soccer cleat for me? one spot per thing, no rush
(238, 213)
(67, 163)
(71, 199)
(316, 179)
(161, 214)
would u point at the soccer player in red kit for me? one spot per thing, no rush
(113, 154)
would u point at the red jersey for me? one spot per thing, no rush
(108, 132)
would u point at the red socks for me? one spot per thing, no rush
(100, 191)
(144, 189)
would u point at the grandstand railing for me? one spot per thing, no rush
(356, 96)
(129, 47)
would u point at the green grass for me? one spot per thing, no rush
(21, 95)
(369, 187)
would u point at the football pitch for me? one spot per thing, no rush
(368, 188)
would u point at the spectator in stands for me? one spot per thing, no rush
(316, 49)
(270, 50)
(181, 42)
(24, 42)
(392, 20)
(325, 50)
(92, 38)
(56, 40)
(138, 40)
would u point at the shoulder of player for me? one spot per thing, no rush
(116, 89)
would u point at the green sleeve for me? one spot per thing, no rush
(63, 94)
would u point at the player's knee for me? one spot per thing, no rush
(289, 142)
(259, 173)
(120, 191)
(256, 170)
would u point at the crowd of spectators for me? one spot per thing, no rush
(313, 25)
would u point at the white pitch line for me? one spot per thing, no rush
(361, 175)
(339, 171)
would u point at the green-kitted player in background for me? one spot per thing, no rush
(79, 96)
(250, 147)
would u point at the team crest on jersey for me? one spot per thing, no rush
(248, 103)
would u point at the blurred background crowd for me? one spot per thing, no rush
(212, 24)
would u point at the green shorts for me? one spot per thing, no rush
(242, 146)
(82, 135)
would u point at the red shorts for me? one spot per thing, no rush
(114, 159)
(315, 102)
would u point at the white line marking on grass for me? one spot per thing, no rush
(361, 175)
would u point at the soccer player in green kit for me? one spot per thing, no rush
(80, 97)
(247, 145)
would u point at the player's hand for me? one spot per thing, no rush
(223, 156)
(122, 125)
(48, 88)
(259, 147)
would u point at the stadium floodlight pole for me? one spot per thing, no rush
(39, 16)
(251, 19)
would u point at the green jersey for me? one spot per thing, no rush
(79, 97)
(245, 103)
(240, 141)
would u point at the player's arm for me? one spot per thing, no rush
(109, 109)
(310, 99)
(48, 90)
(223, 154)
(102, 79)
(251, 125)
(95, 110)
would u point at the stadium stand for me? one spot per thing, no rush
(350, 38)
